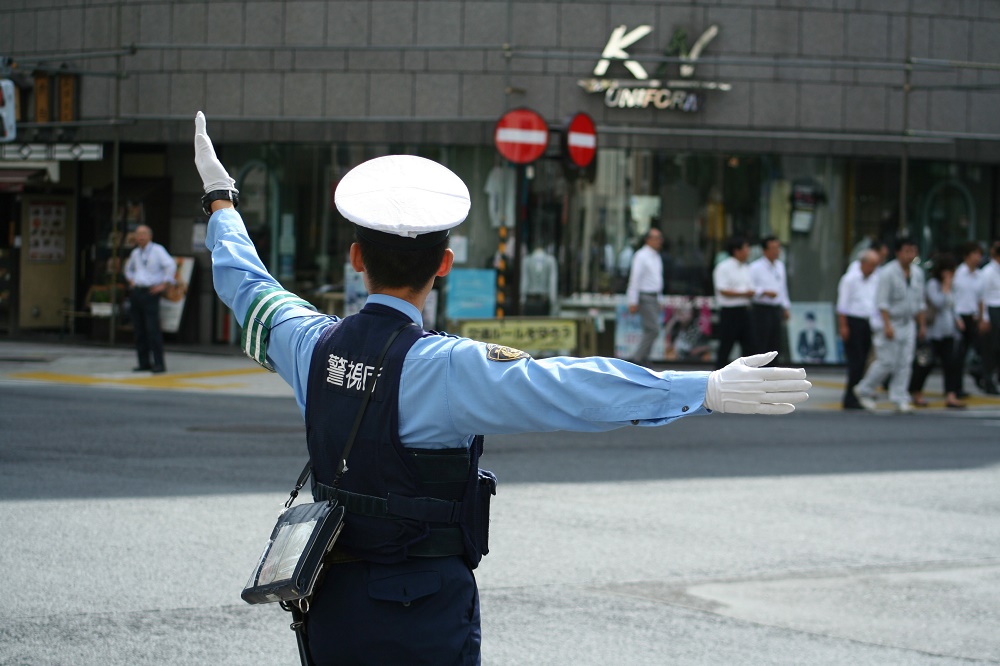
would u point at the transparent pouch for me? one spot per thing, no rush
(292, 560)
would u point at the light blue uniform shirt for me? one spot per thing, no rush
(449, 390)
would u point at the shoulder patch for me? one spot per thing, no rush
(504, 354)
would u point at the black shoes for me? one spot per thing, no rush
(158, 369)
(141, 368)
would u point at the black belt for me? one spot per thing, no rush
(768, 305)
(442, 542)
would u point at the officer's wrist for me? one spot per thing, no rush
(219, 204)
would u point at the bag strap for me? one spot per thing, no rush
(342, 466)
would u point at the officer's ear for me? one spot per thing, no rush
(356, 261)
(446, 262)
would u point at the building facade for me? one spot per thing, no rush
(827, 123)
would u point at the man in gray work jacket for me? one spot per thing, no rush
(900, 304)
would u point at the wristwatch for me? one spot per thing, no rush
(219, 195)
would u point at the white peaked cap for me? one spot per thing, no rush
(403, 195)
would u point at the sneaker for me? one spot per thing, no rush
(904, 408)
(866, 402)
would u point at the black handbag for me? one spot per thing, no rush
(292, 561)
(290, 565)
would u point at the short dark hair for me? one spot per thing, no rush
(967, 248)
(904, 242)
(943, 262)
(767, 240)
(735, 243)
(392, 268)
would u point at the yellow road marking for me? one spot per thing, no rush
(165, 380)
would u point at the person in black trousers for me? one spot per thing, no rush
(855, 305)
(733, 291)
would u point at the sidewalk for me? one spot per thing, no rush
(224, 369)
(220, 369)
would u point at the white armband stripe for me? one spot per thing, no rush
(258, 322)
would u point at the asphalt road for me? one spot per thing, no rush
(131, 519)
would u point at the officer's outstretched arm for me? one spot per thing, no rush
(744, 387)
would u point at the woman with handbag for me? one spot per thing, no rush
(942, 339)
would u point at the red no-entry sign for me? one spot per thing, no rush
(521, 136)
(581, 140)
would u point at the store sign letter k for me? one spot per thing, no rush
(615, 49)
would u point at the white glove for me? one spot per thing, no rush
(213, 175)
(744, 387)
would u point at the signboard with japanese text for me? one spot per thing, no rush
(528, 334)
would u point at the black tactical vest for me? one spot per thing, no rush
(401, 502)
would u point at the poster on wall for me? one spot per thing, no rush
(472, 293)
(172, 301)
(47, 232)
(812, 334)
(685, 334)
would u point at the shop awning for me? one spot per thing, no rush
(14, 174)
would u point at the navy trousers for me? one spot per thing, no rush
(856, 349)
(734, 326)
(146, 324)
(423, 611)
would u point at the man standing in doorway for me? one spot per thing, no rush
(855, 304)
(149, 270)
(770, 304)
(733, 291)
(645, 282)
(899, 299)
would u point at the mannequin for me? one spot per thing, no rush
(539, 281)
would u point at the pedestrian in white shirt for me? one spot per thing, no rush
(769, 304)
(645, 283)
(149, 271)
(733, 291)
(990, 326)
(855, 304)
(968, 305)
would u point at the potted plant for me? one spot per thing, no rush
(99, 300)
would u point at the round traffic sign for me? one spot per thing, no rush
(581, 140)
(521, 136)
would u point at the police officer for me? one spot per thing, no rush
(401, 588)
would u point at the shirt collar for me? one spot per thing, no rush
(407, 308)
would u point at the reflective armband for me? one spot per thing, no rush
(260, 316)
